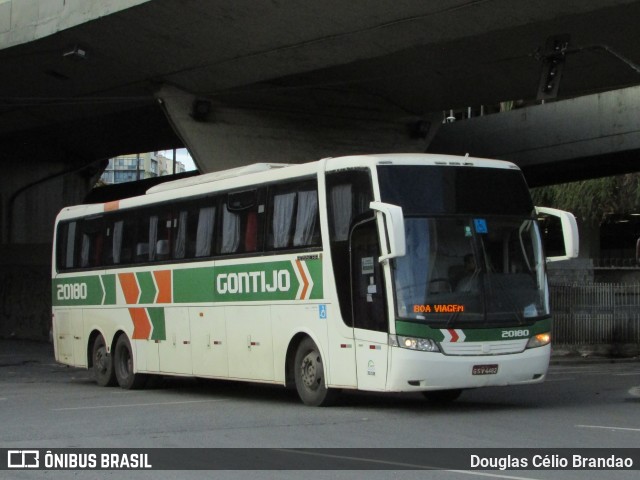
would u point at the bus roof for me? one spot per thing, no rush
(216, 176)
(267, 172)
(334, 163)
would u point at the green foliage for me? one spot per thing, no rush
(592, 200)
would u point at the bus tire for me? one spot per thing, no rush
(442, 397)
(102, 363)
(310, 376)
(123, 365)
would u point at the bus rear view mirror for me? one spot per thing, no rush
(394, 222)
(559, 232)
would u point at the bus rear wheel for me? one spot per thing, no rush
(310, 376)
(123, 365)
(102, 363)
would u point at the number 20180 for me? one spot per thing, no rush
(72, 291)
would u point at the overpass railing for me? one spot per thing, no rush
(615, 262)
(596, 314)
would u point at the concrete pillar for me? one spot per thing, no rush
(30, 199)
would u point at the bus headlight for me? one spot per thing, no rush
(412, 343)
(539, 340)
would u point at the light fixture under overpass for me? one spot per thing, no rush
(201, 110)
(76, 52)
(553, 58)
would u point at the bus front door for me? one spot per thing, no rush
(370, 321)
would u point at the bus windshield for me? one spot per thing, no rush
(469, 261)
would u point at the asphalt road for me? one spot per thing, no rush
(583, 404)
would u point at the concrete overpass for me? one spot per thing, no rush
(83, 78)
(574, 139)
(240, 81)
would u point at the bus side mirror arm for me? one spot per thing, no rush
(394, 221)
(569, 232)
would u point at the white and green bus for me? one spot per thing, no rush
(386, 273)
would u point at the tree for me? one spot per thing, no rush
(592, 200)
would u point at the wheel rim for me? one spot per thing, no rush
(310, 371)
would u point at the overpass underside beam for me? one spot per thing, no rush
(568, 140)
(222, 135)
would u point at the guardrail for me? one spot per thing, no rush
(616, 262)
(596, 314)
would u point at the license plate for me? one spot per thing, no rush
(484, 370)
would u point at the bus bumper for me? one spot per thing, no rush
(413, 371)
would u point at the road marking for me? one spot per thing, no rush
(3, 398)
(401, 464)
(128, 405)
(603, 427)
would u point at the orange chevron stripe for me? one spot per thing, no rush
(130, 287)
(141, 323)
(454, 335)
(112, 206)
(163, 280)
(305, 280)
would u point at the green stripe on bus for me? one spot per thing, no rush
(193, 285)
(268, 281)
(315, 270)
(419, 330)
(156, 315)
(255, 282)
(109, 283)
(77, 291)
(148, 289)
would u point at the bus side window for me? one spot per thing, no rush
(91, 242)
(114, 245)
(142, 245)
(307, 231)
(160, 236)
(293, 220)
(251, 232)
(241, 222)
(230, 231)
(283, 206)
(179, 235)
(65, 257)
(204, 235)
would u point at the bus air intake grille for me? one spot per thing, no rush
(484, 348)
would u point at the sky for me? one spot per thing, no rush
(182, 155)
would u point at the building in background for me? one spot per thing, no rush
(138, 166)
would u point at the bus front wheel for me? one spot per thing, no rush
(310, 376)
(102, 363)
(123, 365)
